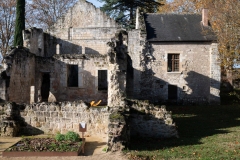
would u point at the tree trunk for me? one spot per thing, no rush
(20, 23)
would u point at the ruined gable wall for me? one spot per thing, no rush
(83, 30)
(85, 15)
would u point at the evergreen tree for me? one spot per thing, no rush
(123, 11)
(20, 23)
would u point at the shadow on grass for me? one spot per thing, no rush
(194, 123)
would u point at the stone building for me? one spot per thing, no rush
(175, 59)
(167, 58)
(86, 56)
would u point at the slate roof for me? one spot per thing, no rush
(177, 28)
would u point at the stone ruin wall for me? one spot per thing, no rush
(87, 89)
(83, 30)
(27, 71)
(3, 90)
(153, 121)
(84, 14)
(62, 117)
(83, 41)
(145, 120)
(22, 78)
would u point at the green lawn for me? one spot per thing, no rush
(206, 132)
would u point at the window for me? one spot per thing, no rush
(173, 63)
(72, 80)
(102, 80)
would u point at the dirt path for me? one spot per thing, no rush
(93, 151)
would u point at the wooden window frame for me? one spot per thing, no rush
(173, 63)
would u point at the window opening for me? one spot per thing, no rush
(102, 80)
(72, 76)
(173, 62)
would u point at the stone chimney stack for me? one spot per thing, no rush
(205, 17)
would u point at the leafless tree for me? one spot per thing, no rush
(44, 13)
(7, 21)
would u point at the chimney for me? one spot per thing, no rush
(205, 17)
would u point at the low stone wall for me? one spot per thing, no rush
(65, 116)
(119, 123)
(147, 120)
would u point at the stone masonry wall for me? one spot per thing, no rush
(65, 116)
(84, 14)
(83, 30)
(147, 120)
(21, 87)
(198, 79)
(215, 75)
(3, 95)
(193, 78)
(57, 68)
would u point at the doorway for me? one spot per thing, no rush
(172, 92)
(45, 88)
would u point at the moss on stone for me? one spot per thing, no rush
(116, 116)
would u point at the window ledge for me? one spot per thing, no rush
(174, 72)
(76, 87)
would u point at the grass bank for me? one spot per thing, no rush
(206, 132)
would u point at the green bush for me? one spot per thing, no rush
(72, 136)
(60, 137)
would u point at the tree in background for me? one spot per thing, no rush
(179, 6)
(44, 13)
(123, 11)
(7, 23)
(20, 23)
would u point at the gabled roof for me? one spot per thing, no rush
(177, 28)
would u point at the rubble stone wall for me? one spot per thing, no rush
(147, 120)
(84, 29)
(87, 89)
(21, 88)
(65, 116)
(3, 94)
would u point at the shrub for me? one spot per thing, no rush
(60, 137)
(72, 136)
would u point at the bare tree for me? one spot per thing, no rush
(44, 13)
(7, 24)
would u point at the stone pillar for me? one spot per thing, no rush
(115, 93)
(32, 93)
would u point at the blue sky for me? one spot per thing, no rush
(96, 3)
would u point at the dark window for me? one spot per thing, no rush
(173, 62)
(45, 88)
(102, 80)
(172, 92)
(72, 76)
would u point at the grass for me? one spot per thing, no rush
(206, 132)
